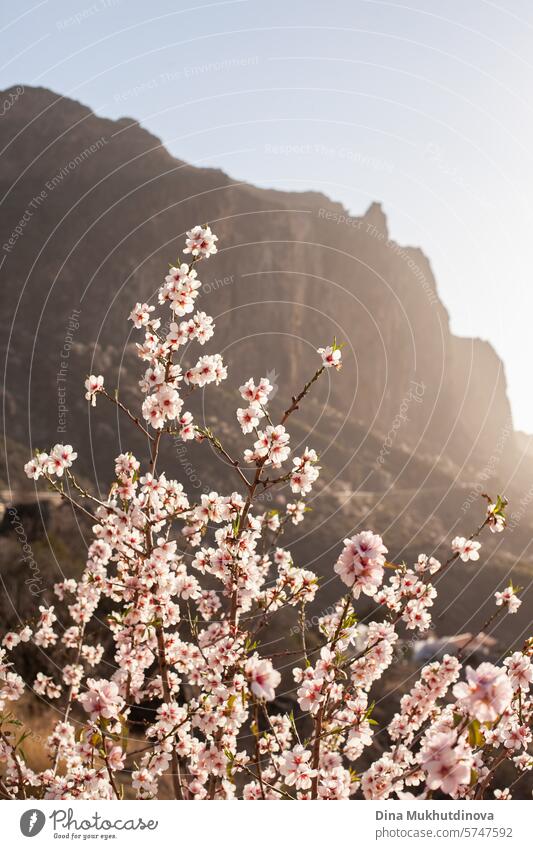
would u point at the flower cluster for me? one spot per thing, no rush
(508, 598)
(60, 458)
(186, 588)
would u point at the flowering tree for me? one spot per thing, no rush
(195, 651)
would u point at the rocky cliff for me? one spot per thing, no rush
(92, 212)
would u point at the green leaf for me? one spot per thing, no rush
(475, 735)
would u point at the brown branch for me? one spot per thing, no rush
(215, 442)
(296, 399)
(130, 415)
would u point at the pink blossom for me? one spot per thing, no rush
(140, 315)
(503, 795)
(11, 640)
(447, 763)
(508, 598)
(61, 458)
(201, 242)
(496, 519)
(249, 418)
(101, 699)
(361, 562)
(331, 357)
(467, 549)
(519, 670)
(263, 677)
(256, 395)
(93, 385)
(295, 768)
(36, 467)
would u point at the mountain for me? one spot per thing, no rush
(412, 430)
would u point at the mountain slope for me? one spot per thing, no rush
(92, 213)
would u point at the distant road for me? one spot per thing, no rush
(18, 498)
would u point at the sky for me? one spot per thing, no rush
(424, 106)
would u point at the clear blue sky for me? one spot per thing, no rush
(425, 106)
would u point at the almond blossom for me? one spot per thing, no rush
(295, 768)
(263, 677)
(201, 242)
(466, 549)
(486, 692)
(519, 670)
(360, 565)
(93, 385)
(508, 599)
(101, 699)
(60, 458)
(446, 763)
(170, 616)
(331, 357)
